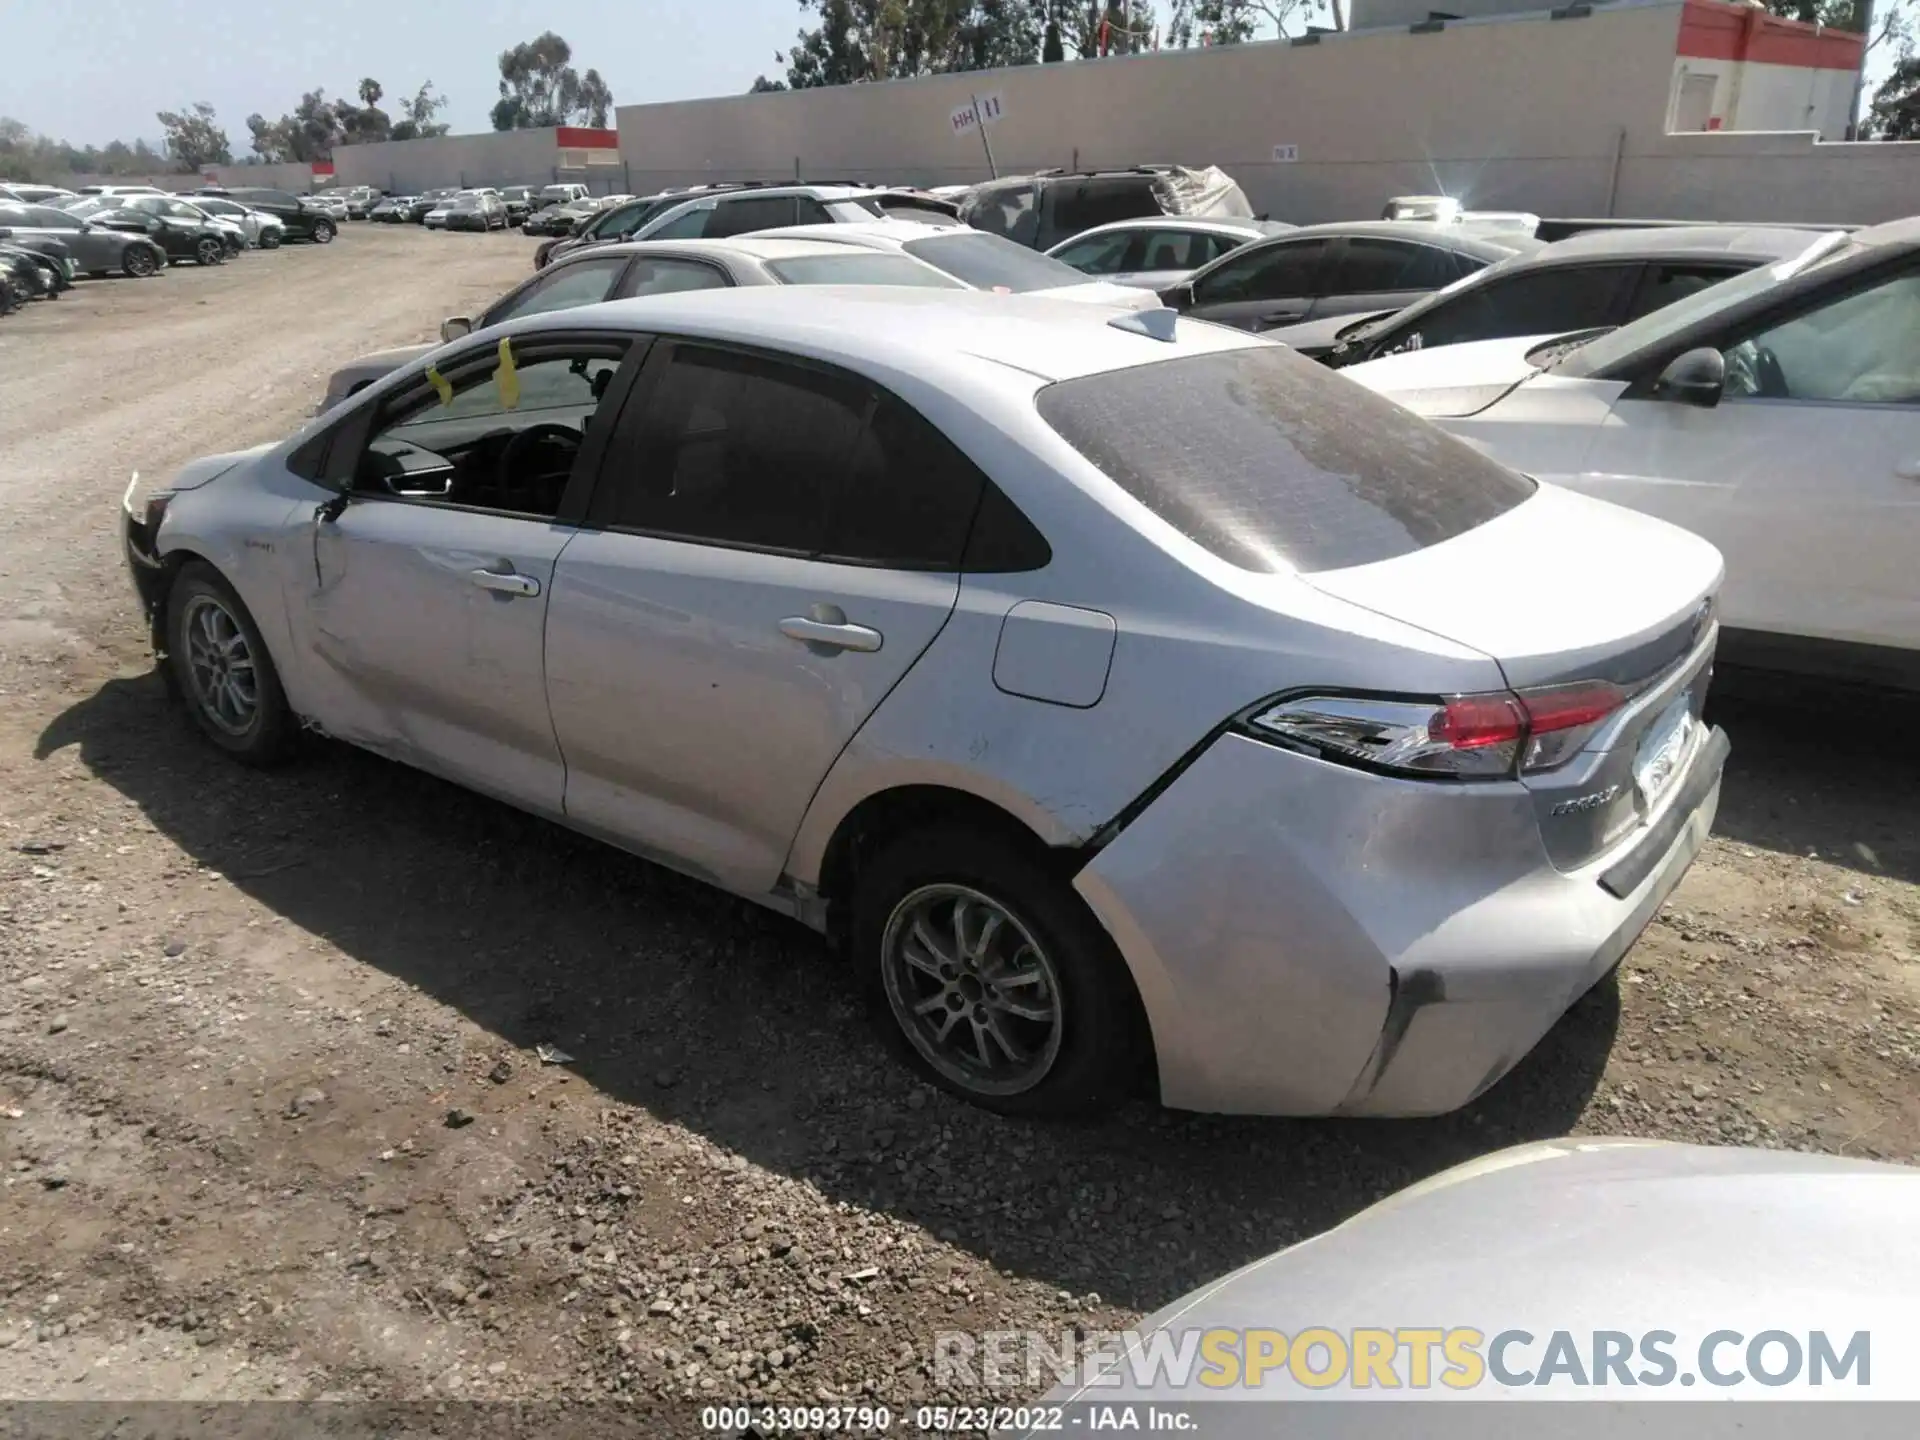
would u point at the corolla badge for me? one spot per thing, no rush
(1585, 803)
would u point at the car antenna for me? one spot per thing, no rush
(1154, 324)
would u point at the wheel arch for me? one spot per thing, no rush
(897, 810)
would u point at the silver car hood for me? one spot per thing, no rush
(1594, 1234)
(195, 473)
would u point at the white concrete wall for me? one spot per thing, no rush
(1749, 175)
(1506, 113)
(512, 157)
(1774, 97)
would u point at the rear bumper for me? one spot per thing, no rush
(1309, 939)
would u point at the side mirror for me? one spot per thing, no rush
(1180, 296)
(453, 327)
(1698, 377)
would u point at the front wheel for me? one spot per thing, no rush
(323, 232)
(223, 671)
(994, 974)
(209, 251)
(138, 262)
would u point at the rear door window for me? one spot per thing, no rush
(1081, 205)
(1661, 285)
(910, 496)
(564, 287)
(1272, 462)
(1172, 250)
(1099, 254)
(657, 275)
(1276, 272)
(1370, 264)
(1538, 302)
(734, 449)
(750, 213)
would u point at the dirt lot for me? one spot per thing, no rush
(235, 1010)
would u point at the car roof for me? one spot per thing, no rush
(927, 333)
(1199, 224)
(1680, 242)
(1462, 238)
(871, 234)
(1894, 232)
(766, 246)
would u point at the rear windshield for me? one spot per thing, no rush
(988, 262)
(874, 267)
(1273, 462)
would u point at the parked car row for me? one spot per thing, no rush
(50, 237)
(459, 208)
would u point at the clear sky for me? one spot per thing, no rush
(91, 71)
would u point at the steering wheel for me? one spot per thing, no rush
(520, 450)
(1770, 379)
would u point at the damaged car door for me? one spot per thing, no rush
(426, 607)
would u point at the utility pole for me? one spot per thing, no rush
(980, 123)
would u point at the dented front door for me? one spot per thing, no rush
(426, 633)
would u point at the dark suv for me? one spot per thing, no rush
(1043, 209)
(303, 221)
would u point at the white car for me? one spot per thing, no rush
(1157, 252)
(262, 230)
(1777, 414)
(1138, 702)
(977, 260)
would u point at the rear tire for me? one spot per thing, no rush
(992, 975)
(223, 672)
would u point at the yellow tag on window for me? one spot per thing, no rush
(442, 386)
(507, 378)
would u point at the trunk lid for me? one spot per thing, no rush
(1450, 381)
(1565, 589)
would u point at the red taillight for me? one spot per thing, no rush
(1470, 722)
(1493, 734)
(1567, 707)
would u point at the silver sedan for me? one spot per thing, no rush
(1134, 701)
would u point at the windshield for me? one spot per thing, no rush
(1615, 345)
(988, 262)
(861, 267)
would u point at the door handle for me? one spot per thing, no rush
(505, 582)
(829, 629)
(1282, 317)
(1908, 471)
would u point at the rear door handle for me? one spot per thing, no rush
(831, 634)
(1282, 317)
(505, 582)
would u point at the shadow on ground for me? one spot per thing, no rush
(540, 936)
(1821, 769)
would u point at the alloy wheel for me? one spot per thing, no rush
(221, 666)
(139, 262)
(210, 251)
(972, 989)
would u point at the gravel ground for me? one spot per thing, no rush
(274, 1119)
